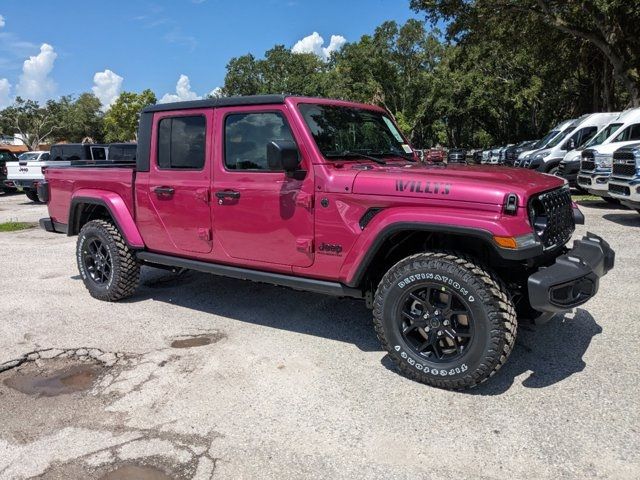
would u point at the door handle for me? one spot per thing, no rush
(168, 191)
(228, 194)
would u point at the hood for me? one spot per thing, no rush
(609, 148)
(479, 184)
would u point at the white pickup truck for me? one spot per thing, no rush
(28, 171)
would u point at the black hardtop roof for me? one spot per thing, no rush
(79, 145)
(123, 144)
(217, 102)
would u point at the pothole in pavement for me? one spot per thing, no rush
(198, 340)
(131, 472)
(53, 378)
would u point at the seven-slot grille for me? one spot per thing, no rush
(619, 189)
(560, 224)
(624, 164)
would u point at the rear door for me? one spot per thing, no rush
(179, 180)
(260, 215)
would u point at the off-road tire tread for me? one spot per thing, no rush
(497, 302)
(126, 268)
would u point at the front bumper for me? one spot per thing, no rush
(627, 191)
(595, 183)
(573, 278)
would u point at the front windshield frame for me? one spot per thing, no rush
(385, 140)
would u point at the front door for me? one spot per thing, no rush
(180, 180)
(260, 215)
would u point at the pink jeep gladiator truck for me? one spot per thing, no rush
(328, 196)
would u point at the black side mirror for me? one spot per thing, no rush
(283, 155)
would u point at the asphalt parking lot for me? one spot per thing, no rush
(205, 377)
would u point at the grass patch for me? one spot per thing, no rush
(15, 226)
(586, 198)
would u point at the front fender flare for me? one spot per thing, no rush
(116, 207)
(478, 228)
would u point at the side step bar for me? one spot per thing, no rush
(297, 283)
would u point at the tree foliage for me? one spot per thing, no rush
(121, 120)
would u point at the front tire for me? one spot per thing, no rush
(444, 320)
(107, 265)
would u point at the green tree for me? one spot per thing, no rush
(34, 124)
(612, 27)
(77, 119)
(121, 120)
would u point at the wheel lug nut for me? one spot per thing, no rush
(446, 322)
(439, 332)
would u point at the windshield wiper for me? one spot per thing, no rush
(349, 153)
(406, 156)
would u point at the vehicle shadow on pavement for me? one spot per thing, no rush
(342, 319)
(630, 219)
(550, 353)
(600, 205)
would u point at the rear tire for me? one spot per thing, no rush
(423, 336)
(108, 267)
(32, 195)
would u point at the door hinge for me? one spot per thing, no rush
(304, 245)
(204, 234)
(203, 194)
(304, 200)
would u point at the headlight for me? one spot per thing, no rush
(603, 160)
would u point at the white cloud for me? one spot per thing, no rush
(107, 86)
(2, 22)
(215, 93)
(183, 92)
(5, 90)
(314, 43)
(35, 82)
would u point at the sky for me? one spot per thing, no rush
(179, 49)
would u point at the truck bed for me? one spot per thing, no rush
(76, 181)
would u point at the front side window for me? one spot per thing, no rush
(632, 132)
(181, 142)
(341, 130)
(99, 153)
(246, 136)
(605, 133)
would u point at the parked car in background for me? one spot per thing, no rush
(476, 158)
(457, 155)
(624, 184)
(122, 152)
(595, 167)
(570, 164)
(28, 171)
(486, 156)
(434, 155)
(5, 157)
(512, 152)
(584, 129)
(544, 141)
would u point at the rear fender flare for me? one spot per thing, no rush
(117, 210)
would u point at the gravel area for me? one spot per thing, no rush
(266, 382)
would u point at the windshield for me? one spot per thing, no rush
(605, 133)
(543, 141)
(338, 130)
(560, 137)
(28, 156)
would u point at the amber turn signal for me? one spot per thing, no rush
(506, 242)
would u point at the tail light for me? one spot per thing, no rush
(42, 169)
(4, 170)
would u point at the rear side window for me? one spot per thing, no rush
(181, 142)
(45, 157)
(99, 153)
(632, 132)
(247, 135)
